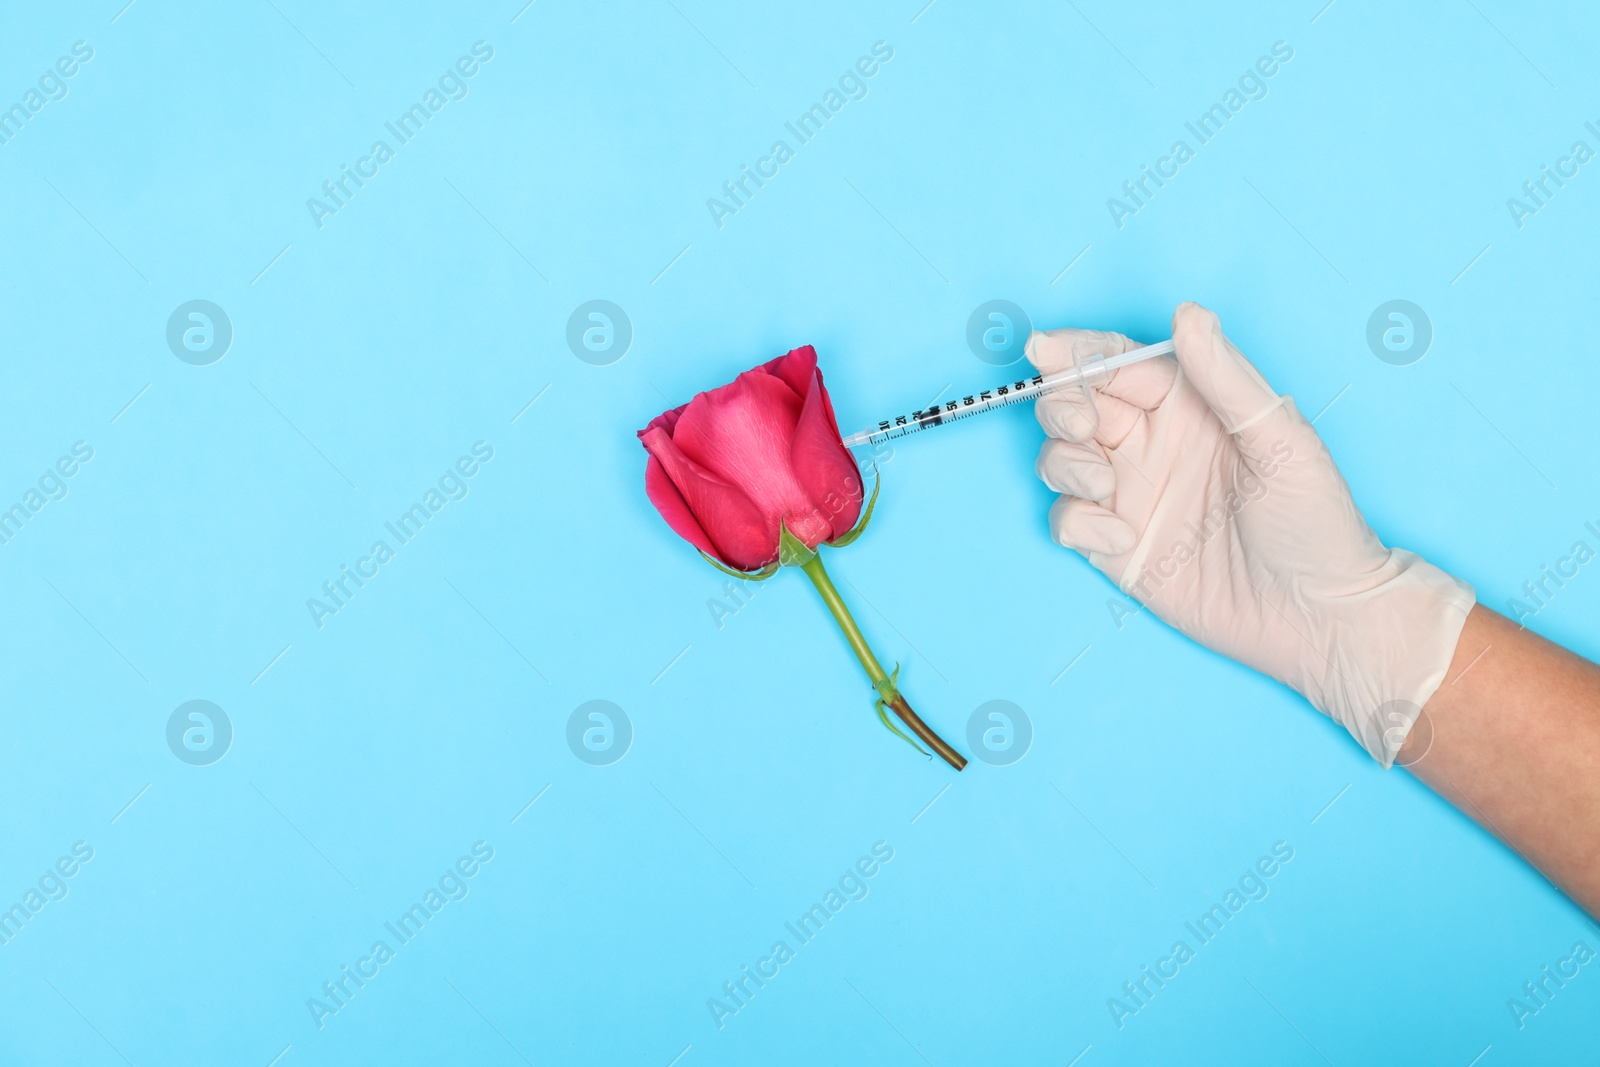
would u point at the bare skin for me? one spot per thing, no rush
(1515, 744)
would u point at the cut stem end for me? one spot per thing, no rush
(903, 711)
(888, 692)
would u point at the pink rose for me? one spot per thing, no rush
(735, 468)
(728, 467)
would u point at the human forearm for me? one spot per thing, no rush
(1515, 744)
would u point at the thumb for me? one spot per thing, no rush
(1229, 384)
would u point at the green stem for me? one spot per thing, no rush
(847, 623)
(880, 679)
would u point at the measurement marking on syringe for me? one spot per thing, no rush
(920, 419)
(923, 422)
(1092, 368)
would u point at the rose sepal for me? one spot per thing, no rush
(750, 576)
(866, 516)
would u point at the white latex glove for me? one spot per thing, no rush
(1211, 500)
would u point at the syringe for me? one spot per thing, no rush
(1087, 371)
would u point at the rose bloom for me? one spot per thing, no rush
(729, 466)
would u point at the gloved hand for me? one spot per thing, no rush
(1210, 499)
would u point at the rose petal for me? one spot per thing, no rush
(795, 368)
(822, 463)
(743, 433)
(666, 420)
(665, 496)
(827, 405)
(741, 535)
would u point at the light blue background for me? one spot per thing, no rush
(426, 315)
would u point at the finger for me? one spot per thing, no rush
(1068, 414)
(1090, 528)
(1117, 420)
(1080, 470)
(1051, 351)
(1144, 384)
(1071, 416)
(1234, 390)
(1110, 411)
